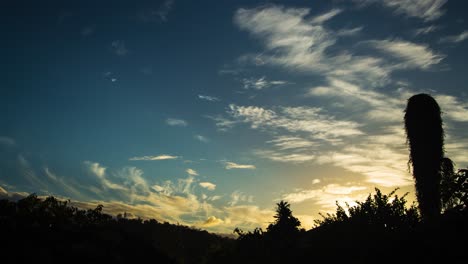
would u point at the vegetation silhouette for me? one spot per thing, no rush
(425, 136)
(382, 228)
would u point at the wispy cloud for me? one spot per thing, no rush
(286, 157)
(160, 13)
(159, 157)
(100, 172)
(427, 10)
(238, 196)
(348, 32)
(87, 31)
(320, 19)
(208, 98)
(455, 38)
(118, 47)
(294, 41)
(426, 30)
(208, 185)
(192, 172)
(295, 119)
(165, 9)
(410, 55)
(176, 122)
(201, 138)
(260, 83)
(8, 141)
(232, 165)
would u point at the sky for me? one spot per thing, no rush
(208, 113)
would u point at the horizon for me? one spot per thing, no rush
(208, 114)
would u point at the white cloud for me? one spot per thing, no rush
(411, 55)
(201, 138)
(453, 108)
(294, 42)
(316, 181)
(349, 32)
(260, 83)
(160, 157)
(285, 156)
(100, 171)
(118, 46)
(327, 195)
(426, 30)
(238, 196)
(223, 124)
(176, 122)
(320, 19)
(8, 141)
(427, 10)
(208, 185)
(208, 98)
(232, 165)
(192, 172)
(296, 119)
(455, 38)
(291, 142)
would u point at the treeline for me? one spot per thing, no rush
(52, 231)
(382, 228)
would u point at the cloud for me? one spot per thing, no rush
(285, 156)
(118, 46)
(455, 38)
(223, 124)
(426, 30)
(291, 142)
(428, 10)
(165, 9)
(208, 185)
(160, 157)
(13, 196)
(100, 172)
(296, 119)
(238, 196)
(410, 55)
(320, 19)
(7, 141)
(157, 14)
(211, 221)
(201, 138)
(327, 196)
(316, 181)
(176, 122)
(87, 31)
(260, 83)
(232, 165)
(192, 172)
(294, 41)
(208, 98)
(349, 32)
(452, 107)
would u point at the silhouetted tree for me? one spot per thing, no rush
(425, 135)
(285, 222)
(454, 187)
(385, 211)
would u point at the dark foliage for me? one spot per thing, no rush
(52, 231)
(425, 136)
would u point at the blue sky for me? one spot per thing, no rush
(208, 113)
